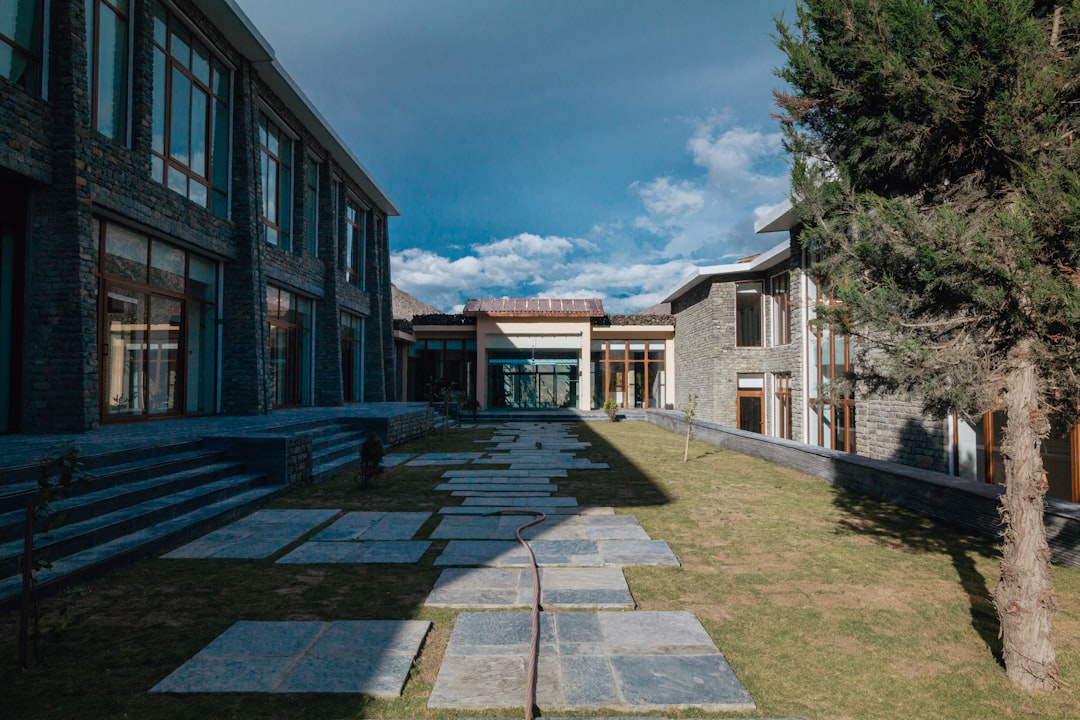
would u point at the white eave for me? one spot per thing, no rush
(770, 258)
(227, 16)
(780, 218)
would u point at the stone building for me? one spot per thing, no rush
(538, 354)
(181, 232)
(748, 347)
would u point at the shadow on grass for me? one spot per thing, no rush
(154, 615)
(911, 532)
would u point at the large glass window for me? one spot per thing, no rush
(190, 118)
(632, 372)
(438, 364)
(311, 188)
(22, 30)
(830, 394)
(275, 164)
(107, 66)
(356, 216)
(748, 315)
(290, 347)
(159, 327)
(352, 354)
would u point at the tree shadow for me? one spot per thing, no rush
(910, 532)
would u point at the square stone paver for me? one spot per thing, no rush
(258, 535)
(369, 552)
(626, 662)
(559, 527)
(460, 458)
(566, 588)
(371, 657)
(374, 526)
(566, 553)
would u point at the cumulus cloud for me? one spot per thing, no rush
(630, 264)
(706, 216)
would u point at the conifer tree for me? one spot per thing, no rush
(937, 179)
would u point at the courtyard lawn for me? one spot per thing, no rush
(826, 604)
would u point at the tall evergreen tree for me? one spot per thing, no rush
(938, 181)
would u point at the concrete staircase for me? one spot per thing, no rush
(334, 446)
(138, 502)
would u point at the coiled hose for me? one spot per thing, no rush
(534, 651)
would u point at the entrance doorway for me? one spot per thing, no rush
(516, 379)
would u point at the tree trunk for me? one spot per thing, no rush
(1024, 597)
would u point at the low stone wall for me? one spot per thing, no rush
(285, 458)
(968, 505)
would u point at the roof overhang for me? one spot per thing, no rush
(238, 29)
(766, 260)
(534, 307)
(780, 218)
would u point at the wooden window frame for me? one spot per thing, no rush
(355, 249)
(276, 167)
(780, 287)
(34, 81)
(759, 340)
(750, 393)
(93, 66)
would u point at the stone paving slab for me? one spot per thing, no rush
(461, 458)
(395, 459)
(488, 474)
(372, 657)
(621, 661)
(496, 494)
(504, 502)
(374, 526)
(459, 486)
(504, 588)
(563, 527)
(549, 511)
(258, 535)
(369, 552)
(566, 553)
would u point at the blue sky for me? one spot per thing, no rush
(550, 148)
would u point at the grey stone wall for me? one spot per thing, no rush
(894, 428)
(971, 506)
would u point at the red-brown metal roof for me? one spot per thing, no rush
(544, 307)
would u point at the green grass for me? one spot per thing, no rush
(826, 604)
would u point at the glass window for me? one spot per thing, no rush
(750, 397)
(748, 315)
(290, 347)
(190, 115)
(107, 66)
(352, 349)
(355, 241)
(275, 155)
(21, 43)
(159, 324)
(781, 309)
(312, 190)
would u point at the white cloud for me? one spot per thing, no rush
(707, 215)
(629, 265)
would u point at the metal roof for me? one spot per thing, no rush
(545, 307)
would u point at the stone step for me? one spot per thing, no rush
(78, 508)
(77, 537)
(99, 559)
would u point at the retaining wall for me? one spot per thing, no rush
(971, 506)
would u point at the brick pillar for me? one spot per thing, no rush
(328, 382)
(245, 384)
(61, 372)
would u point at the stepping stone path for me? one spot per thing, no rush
(258, 535)
(622, 661)
(590, 657)
(365, 537)
(369, 656)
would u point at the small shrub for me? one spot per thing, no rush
(611, 409)
(371, 457)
